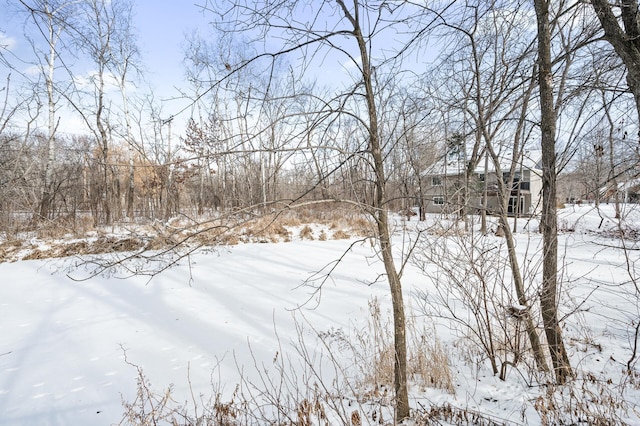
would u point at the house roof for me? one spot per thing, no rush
(632, 185)
(531, 160)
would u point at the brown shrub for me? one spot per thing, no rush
(306, 233)
(341, 235)
(361, 226)
(35, 255)
(79, 247)
(8, 249)
(77, 226)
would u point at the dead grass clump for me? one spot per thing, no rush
(360, 226)
(72, 249)
(309, 215)
(380, 338)
(429, 363)
(437, 414)
(83, 224)
(586, 400)
(161, 241)
(354, 224)
(322, 236)
(341, 235)
(77, 226)
(118, 244)
(336, 217)
(279, 230)
(373, 352)
(216, 237)
(229, 240)
(36, 254)
(9, 248)
(53, 230)
(306, 233)
(266, 229)
(289, 220)
(206, 238)
(213, 234)
(84, 247)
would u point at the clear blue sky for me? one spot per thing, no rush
(162, 25)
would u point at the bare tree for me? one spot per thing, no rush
(125, 60)
(16, 164)
(488, 62)
(549, 220)
(51, 18)
(350, 30)
(103, 33)
(625, 39)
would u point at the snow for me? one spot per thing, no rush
(63, 340)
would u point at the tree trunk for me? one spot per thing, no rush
(504, 190)
(47, 183)
(382, 220)
(131, 189)
(132, 183)
(518, 282)
(548, 222)
(104, 141)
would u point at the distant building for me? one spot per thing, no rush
(627, 191)
(446, 192)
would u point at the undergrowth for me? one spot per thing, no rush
(328, 379)
(77, 236)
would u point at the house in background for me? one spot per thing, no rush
(627, 191)
(585, 186)
(447, 192)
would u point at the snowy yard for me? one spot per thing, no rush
(63, 341)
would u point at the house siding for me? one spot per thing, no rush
(452, 191)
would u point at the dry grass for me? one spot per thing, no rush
(75, 226)
(87, 247)
(374, 357)
(364, 396)
(59, 238)
(428, 362)
(306, 233)
(265, 230)
(341, 235)
(9, 249)
(586, 400)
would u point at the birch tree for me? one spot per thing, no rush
(105, 36)
(51, 18)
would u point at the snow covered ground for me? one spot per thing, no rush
(63, 341)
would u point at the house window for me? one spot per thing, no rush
(436, 181)
(481, 177)
(438, 201)
(515, 206)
